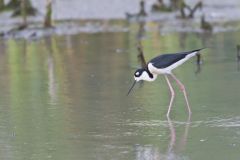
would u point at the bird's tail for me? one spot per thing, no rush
(195, 52)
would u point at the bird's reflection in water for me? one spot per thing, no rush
(238, 57)
(174, 150)
(198, 64)
(140, 56)
(182, 41)
(140, 35)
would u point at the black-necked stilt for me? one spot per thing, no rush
(164, 64)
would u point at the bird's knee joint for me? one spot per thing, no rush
(182, 88)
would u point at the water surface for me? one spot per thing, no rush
(64, 97)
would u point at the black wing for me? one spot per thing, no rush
(166, 60)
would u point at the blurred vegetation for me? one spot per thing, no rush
(24, 8)
(160, 6)
(1, 4)
(48, 19)
(186, 10)
(205, 25)
(16, 6)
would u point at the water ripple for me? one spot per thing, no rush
(210, 122)
(226, 122)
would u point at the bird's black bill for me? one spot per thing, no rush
(131, 87)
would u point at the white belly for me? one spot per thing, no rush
(155, 70)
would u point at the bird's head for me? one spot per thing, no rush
(142, 74)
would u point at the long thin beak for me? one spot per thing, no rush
(131, 87)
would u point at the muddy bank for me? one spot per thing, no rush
(69, 27)
(116, 9)
(36, 30)
(90, 17)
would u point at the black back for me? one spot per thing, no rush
(166, 60)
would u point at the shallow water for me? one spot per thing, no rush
(64, 97)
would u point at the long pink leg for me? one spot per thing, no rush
(182, 87)
(172, 95)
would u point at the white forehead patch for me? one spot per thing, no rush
(137, 73)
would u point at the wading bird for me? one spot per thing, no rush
(164, 64)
